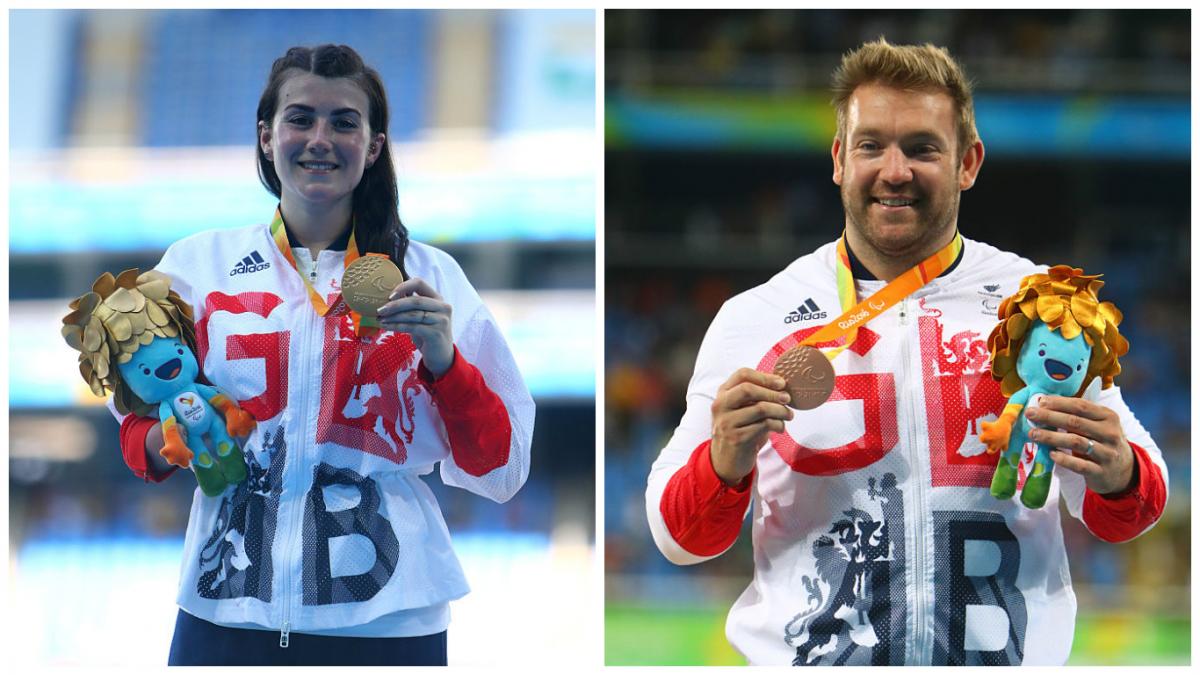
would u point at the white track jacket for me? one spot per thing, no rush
(876, 540)
(334, 528)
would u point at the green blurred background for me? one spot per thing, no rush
(717, 175)
(638, 635)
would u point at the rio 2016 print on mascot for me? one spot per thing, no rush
(136, 339)
(1054, 337)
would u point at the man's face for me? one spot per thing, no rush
(899, 171)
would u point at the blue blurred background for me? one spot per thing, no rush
(717, 175)
(131, 129)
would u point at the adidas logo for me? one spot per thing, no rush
(251, 263)
(991, 288)
(806, 312)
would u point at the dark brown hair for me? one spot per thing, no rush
(377, 226)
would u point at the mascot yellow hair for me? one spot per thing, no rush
(119, 315)
(1065, 300)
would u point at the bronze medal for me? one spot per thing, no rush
(809, 376)
(367, 285)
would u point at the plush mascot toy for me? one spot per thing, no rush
(1054, 337)
(135, 337)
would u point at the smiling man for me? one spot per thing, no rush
(901, 166)
(876, 539)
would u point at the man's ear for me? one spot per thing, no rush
(838, 167)
(264, 139)
(972, 160)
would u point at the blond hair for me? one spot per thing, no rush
(908, 67)
(1065, 300)
(120, 314)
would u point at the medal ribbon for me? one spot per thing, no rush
(856, 314)
(318, 303)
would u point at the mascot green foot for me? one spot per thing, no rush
(1004, 481)
(232, 462)
(208, 475)
(1037, 487)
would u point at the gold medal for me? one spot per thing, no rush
(809, 376)
(368, 283)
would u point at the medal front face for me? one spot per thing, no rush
(809, 376)
(367, 284)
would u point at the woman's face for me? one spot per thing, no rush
(320, 140)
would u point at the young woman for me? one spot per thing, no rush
(334, 551)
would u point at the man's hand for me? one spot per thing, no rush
(748, 406)
(1108, 465)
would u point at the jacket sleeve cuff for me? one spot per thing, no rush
(133, 449)
(477, 423)
(1124, 515)
(457, 383)
(1135, 480)
(702, 513)
(725, 495)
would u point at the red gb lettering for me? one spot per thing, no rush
(877, 391)
(959, 393)
(385, 365)
(271, 347)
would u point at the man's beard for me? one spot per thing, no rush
(929, 230)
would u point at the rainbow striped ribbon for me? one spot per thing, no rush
(856, 314)
(280, 235)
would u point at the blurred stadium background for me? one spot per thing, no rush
(131, 129)
(717, 134)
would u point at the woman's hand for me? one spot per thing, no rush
(155, 442)
(415, 308)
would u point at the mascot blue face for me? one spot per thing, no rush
(1052, 364)
(160, 369)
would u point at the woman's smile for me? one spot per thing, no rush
(318, 167)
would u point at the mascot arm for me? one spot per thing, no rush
(238, 422)
(995, 435)
(174, 450)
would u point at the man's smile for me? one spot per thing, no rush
(894, 203)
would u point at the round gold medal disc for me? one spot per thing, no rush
(367, 284)
(809, 376)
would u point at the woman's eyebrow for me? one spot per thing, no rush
(308, 108)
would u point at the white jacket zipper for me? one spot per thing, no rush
(298, 475)
(918, 511)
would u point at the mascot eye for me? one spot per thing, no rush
(145, 371)
(180, 350)
(1079, 367)
(1041, 352)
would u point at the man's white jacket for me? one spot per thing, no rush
(876, 540)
